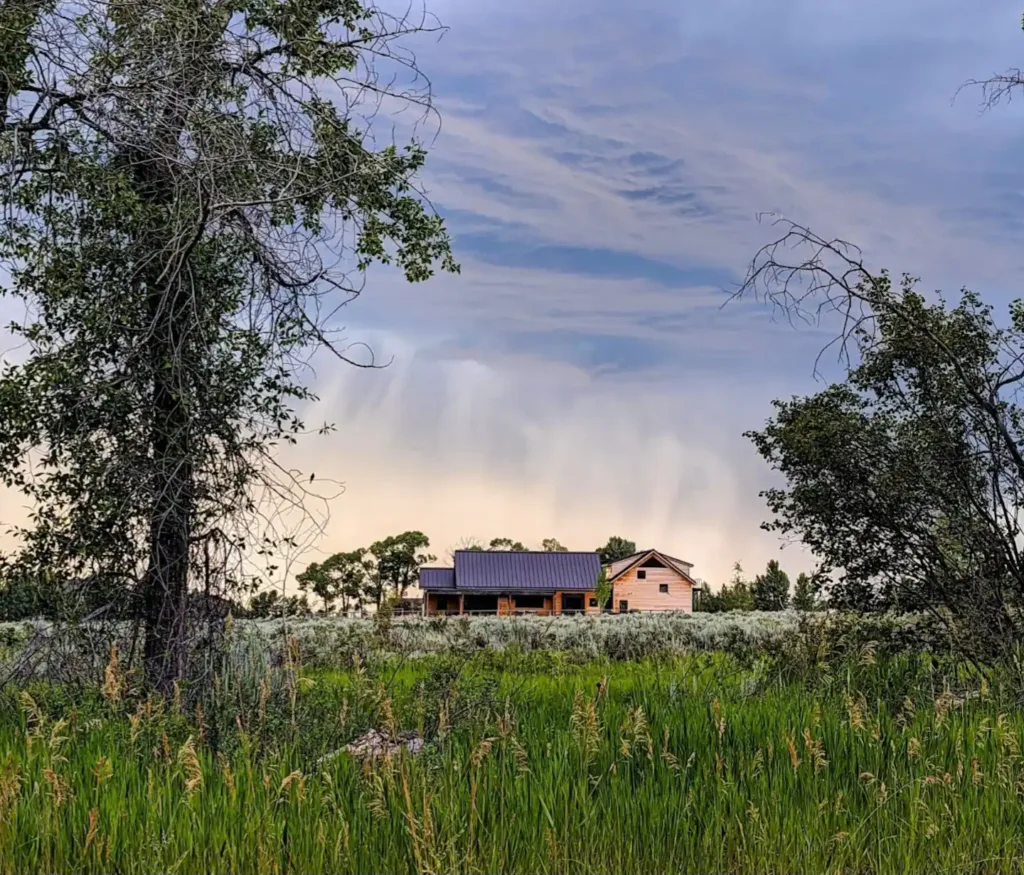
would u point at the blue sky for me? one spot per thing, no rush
(601, 168)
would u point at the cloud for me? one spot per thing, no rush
(601, 170)
(602, 177)
(460, 447)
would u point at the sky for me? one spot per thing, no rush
(601, 168)
(602, 172)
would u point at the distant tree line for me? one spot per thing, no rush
(766, 592)
(353, 581)
(345, 582)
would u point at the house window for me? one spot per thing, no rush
(641, 575)
(572, 603)
(442, 603)
(529, 601)
(623, 606)
(593, 603)
(662, 587)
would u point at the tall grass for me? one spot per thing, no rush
(534, 764)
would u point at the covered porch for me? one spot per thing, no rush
(508, 604)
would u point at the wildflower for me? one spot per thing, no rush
(10, 785)
(856, 712)
(295, 777)
(668, 756)
(519, 754)
(816, 749)
(975, 771)
(102, 771)
(586, 727)
(481, 752)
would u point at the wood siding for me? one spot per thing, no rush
(644, 595)
(454, 603)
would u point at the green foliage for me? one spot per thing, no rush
(805, 593)
(342, 577)
(270, 603)
(770, 591)
(903, 478)
(398, 559)
(506, 544)
(181, 180)
(533, 764)
(603, 590)
(735, 595)
(551, 545)
(616, 548)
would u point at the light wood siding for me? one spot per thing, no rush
(644, 595)
(619, 564)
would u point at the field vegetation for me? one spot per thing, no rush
(833, 750)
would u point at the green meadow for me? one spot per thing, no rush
(533, 762)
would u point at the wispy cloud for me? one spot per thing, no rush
(601, 168)
(602, 174)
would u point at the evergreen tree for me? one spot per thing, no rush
(770, 591)
(804, 595)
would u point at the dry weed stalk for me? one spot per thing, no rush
(188, 759)
(113, 681)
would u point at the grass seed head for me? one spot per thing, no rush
(60, 788)
(113, 681)
(188, 759)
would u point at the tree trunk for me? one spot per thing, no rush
(165, 590)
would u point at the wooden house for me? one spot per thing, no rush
(512, 582)
(651, 581)
(529, 582)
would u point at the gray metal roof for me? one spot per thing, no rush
(515, 570)
(437, 579)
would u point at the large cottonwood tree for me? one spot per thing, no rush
(190, 190)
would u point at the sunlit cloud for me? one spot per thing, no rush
(602, 175)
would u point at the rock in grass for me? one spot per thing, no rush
(374, 743)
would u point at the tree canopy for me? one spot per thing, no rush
(191, 190)
(805, 596)
(616, 548)
(906, 478)
(506, 544)
(770, 591)
(733, 596)
(397, 562)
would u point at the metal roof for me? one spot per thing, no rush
(437, 579)
(522, 570)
